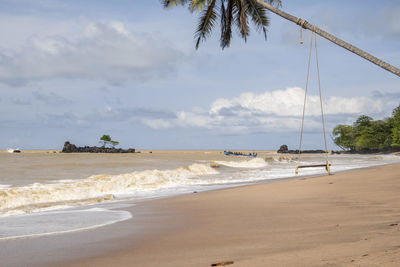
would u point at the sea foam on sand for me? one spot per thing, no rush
(23, 208)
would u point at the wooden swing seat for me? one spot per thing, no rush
(326, 165)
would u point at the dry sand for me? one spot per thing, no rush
(347, 219)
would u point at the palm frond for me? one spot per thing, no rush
(235, 12)
(241, 18)
(172, 3)
(258, 16)
(197, 5)
(206, 23)
(222, 13)
(226, 35)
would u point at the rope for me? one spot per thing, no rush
(320, 96)
(305, 100)
(301, 22)
(301, 35)
(313, 36)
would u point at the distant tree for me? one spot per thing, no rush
(362, 122)
(106, 140)
(368, 135)
(396, 128)
(374, 136)
(395, 137)
(344, 136)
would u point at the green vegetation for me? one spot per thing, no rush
(396, 128)
(106, 140)
(367, 135)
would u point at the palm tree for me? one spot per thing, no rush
(229, 12)
(237, 11)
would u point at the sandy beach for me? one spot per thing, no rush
(199, 133)
(347, 219)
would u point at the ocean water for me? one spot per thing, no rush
(43, 193)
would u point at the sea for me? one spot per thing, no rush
(47, 192)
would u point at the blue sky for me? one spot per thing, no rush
(75, 70)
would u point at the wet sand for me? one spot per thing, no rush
(347, 219)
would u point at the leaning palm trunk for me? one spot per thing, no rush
(331, 38)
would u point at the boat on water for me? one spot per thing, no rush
(240, 154)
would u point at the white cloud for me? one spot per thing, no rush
(195, 119)
(104, 51)
(289, 102)
(156, 124)
(274, 111)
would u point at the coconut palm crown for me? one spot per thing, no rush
(228, 12)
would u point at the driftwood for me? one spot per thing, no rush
(222, 263)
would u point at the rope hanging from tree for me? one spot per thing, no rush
(327, 164)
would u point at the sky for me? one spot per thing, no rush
(75, 70)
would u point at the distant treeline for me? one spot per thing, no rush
(368, 135)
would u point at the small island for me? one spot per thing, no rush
(284, 149)
(104, 140)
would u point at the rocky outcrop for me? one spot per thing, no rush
(285, 149)
(71, 148)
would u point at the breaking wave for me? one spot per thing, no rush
(252, 163)
(96, 188)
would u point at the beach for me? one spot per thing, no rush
(347, 219)
(132, 136)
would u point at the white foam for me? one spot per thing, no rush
(154, 183)
(96, 188)
(252, 163)
(11, 150)
(50, 223)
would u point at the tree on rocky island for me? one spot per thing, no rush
(114, 143)
(106, 140)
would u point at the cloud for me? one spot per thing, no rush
(109, 113)
(104, 51)
(157, 124)
(289, 102)
(274, 111)
(383, 24)
(51, 98)
(386, 95)
(155, 119)
(195, 119)
(62, 120)
(21, 101)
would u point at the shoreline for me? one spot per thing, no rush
(342, 238)
(186, 224)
